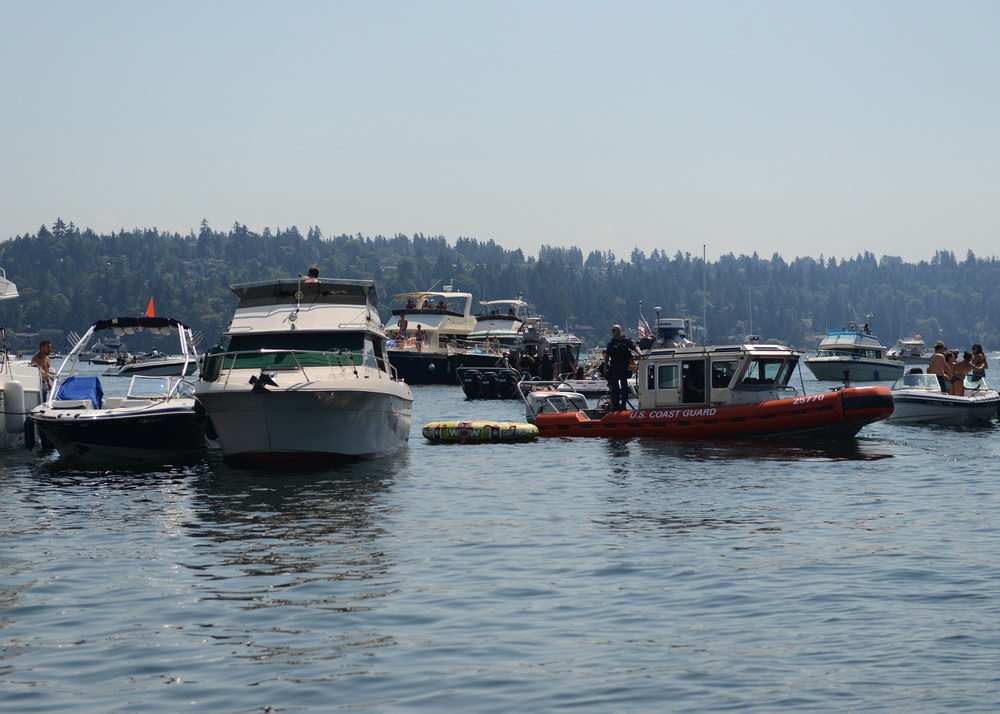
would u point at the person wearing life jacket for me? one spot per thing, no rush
(617, 366)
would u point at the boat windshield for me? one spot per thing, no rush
(918, 381)
(291, 349)
(768, 370)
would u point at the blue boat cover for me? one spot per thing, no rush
(77, 387)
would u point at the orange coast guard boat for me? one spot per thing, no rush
(733, 391)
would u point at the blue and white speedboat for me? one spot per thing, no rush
(852, 354)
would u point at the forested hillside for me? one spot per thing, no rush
(70, 277)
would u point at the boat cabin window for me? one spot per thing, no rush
(290, 349)
(667, 376)
(678, 382)
(723, 372)
(767, 371)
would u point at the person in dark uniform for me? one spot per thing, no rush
(547, 366)
(617, 366)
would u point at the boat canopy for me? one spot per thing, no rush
(130, 325)
(487, 304)
(339, 291)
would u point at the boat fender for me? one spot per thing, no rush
(29, 434)
(13, 403)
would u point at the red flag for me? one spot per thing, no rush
(149, 310)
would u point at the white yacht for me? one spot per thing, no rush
(855, 355)
(911, 351)
(303, 377)
(444, 319)
(20, 386)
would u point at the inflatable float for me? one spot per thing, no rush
(464, 432)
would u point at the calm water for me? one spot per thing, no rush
(561, 575)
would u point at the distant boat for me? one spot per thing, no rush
(503, 327)
(107, 350)
(154, 364)
(909, 351)
(851, 353)
(445, 318)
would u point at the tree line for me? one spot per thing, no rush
(69, 278)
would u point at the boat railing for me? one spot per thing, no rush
(409, 343)
(854, 352)
(482, 347)
(284, 360)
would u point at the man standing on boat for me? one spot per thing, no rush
(617, 366)
(938, 366)
(44, 364)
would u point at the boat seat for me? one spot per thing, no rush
(72, 404)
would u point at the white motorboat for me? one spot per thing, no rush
(154, 364)
(303, 378)
(156, 420)
(852, 354)
(504, 328)
(444, 319)
(21, 386)
(917, 398)
(912, 350)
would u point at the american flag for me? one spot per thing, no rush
(644, 330)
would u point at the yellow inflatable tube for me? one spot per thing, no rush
(466, 432)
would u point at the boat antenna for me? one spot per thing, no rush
(704, 292)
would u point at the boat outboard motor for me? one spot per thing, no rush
(491, 388)
(507, 384)
(472, 383)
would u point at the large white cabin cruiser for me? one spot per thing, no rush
(20, 386)
(444, 319)
(303, 377)
(855, 355)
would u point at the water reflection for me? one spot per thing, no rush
(752, 450)
(312, 540)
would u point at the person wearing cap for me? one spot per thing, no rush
(938, 366)
(617, 366)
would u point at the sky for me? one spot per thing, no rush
(802, 128)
